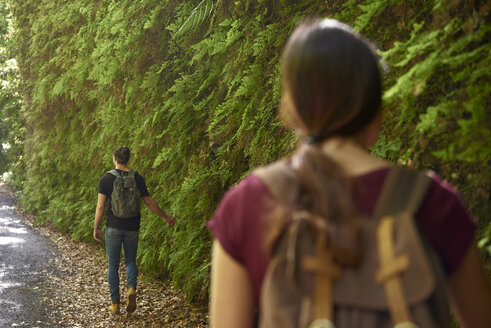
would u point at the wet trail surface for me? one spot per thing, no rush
(26, 272)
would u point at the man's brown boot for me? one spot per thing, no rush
(131, 307)
(114, 308)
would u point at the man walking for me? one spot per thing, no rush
(124, 188)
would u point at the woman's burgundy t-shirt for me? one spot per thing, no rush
(442, 219)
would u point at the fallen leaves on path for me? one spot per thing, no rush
(82, 296)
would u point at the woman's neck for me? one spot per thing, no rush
(352, 156)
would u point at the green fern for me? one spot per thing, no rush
(197, 16)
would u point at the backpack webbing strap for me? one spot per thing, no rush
(403, 190)
(114, 172)
(278, 177)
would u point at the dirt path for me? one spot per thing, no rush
(79, 288)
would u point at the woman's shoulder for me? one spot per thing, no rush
(249, 187)
(236, 219)
(445, 221)
(443, 199)
(441, 195)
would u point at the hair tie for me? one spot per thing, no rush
(312, 139)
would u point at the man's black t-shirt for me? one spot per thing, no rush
(106, 188)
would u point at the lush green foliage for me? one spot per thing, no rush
(11, 124)
(192, 88)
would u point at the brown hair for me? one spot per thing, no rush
(122, 155)
(331, 80)
(331, 87)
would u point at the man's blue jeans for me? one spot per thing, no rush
(114, 239)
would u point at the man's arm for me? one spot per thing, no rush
(99, 213)
(156, 209)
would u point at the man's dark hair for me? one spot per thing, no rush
(122, 155)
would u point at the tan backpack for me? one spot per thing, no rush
(399, 282)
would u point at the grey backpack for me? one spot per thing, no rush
(125, 198)
(399, 282)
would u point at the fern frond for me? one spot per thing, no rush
(198, 15)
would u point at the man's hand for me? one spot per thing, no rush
(152, 206)
(98, 234)
(170, 220)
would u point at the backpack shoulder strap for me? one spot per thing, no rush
(403, 190)
(131, 172)
(278, 178)
(113, 172)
